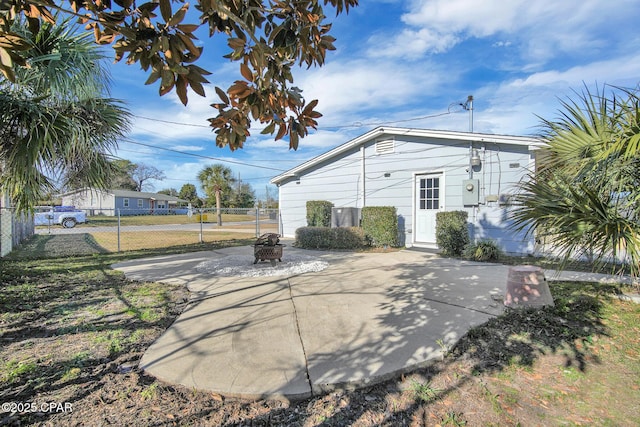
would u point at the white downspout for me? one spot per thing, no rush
(363, 179)
(280, 223)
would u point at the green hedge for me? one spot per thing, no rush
(380, 225)
(452, 232)
(330, 238)
(319, 213)
(484, 250)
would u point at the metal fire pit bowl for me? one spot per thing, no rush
(267, 247)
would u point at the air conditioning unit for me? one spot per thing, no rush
(345, 217)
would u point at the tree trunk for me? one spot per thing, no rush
(218, 209)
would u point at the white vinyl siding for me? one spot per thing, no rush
(390, 180)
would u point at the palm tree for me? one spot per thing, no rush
(57, 127)
(584, 197)
(216, 180)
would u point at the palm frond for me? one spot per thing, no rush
(584, 198)
(55, 123)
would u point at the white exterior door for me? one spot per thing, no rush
(429, 199)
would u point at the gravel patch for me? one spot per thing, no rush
(242, 266)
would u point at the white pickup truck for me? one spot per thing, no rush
(66, 216)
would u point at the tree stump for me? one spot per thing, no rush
(527, 287)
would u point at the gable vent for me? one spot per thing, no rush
(385, 147)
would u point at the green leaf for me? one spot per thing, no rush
(181, 89)
(282, 131)
(269, 129)
(189, 44)
(179, 16)
(165, 10)
(222, 95)
(293, 139)
(246, 72)
(235, 43)
(197, 88)
(188, 28)
(153, 77)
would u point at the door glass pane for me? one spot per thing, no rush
(429, 195)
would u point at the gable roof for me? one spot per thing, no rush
(144, 195)
(130, 193)
(532, 143)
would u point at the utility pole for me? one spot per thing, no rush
(267, 196)
(469, 107)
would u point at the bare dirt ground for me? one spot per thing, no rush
(72, 331)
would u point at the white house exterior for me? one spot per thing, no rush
(108, 202)
(420, 172)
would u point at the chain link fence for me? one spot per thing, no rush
(14, 229)
(116, 230)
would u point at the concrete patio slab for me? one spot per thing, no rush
(364, 318)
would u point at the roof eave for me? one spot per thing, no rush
(292, 173)
(532, 143)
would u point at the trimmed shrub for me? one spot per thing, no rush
(483, 250)
(380, 225)
(452, 232)
(330, 238)
(319, 213)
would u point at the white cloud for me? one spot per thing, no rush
(542, 27)
(349, 91)
(515, 106)
(412, 43)
(436, 26)
(619, 70)
(188, 148)
(501, 44)
(478, 18)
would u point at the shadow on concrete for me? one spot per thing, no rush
(366, 319)
(493, 346)
(364, 324)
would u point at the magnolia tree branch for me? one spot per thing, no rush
(266, 38)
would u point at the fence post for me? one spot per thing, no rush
(201, 215)
(118, 230)
(257, 222)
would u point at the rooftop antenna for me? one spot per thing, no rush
(468, 105)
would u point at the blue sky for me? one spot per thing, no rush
(407, 63)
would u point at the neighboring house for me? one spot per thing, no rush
(420, 172)
(109, 202)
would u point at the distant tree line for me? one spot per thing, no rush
(127, 175)
(217, 181)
